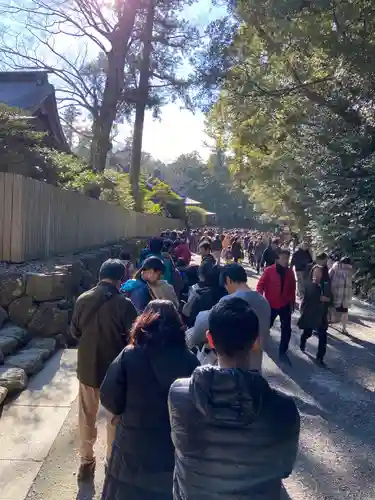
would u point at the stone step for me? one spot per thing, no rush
(32, 356)
(30, 360)
(12, 337)
(13, 379)
(23, 363)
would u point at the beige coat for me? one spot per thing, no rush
(162, 290)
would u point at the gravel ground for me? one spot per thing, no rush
(336, 459)
(337, 444)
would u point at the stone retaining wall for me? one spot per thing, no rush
(36, 305)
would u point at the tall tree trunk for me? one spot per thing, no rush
(143, 87)
(113, 89)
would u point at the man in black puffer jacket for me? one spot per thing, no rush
(205, 294)
(235, 437)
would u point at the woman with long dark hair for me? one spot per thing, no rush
(136, 389)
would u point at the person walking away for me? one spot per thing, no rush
(156, 247)
(181, 251)
(315, 306)
(342, 289)
(269, 254)
(125, 258)
(205, 238)
(217, 248)
(193, 242)
(301, 260)
(102, 319)
(205, 252)
(235, 437)
(135, 389)
(250, 252)
(259, 249)
(233, 278)
(226, 241)
(246, 242)
(278, 285)
(205, 295)
(236, 249)
(148, 285)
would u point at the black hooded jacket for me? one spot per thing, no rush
(136, 387)
(235, 437)
(204, 297)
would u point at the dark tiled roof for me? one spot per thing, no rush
(25, 90)
(31, 91)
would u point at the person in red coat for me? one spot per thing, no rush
(278, 285)
(182, 251)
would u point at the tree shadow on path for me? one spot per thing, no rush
(336, 421)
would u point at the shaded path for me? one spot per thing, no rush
(337, 445)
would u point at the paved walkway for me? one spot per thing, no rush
(30, 424)
(39, 440)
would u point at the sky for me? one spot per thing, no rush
(176, 131)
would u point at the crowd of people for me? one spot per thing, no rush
(172, 348)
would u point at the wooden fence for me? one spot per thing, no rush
(38, 220)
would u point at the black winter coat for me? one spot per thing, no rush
(301, 260)
(203, 299)
(236, 250)
(216, 245)
(314, 313)
(235, 437)
(136, 387)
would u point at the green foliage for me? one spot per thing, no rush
(196, 216)
(26, 151)
(119, 193)
(211, 184)
(295, 115)
(161, 195)
(149, 207)
(208, 182)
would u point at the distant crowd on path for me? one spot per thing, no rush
(173, 350)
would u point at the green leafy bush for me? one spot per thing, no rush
(119, 193)
(161, 199)
(196, 216)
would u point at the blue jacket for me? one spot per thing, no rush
(137, 291)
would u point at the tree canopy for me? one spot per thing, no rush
(109, 59)
(295, 114)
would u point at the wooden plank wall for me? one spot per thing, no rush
(38, 220)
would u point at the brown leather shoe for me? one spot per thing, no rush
(86, 472)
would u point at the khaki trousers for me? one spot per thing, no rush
(88, 407)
